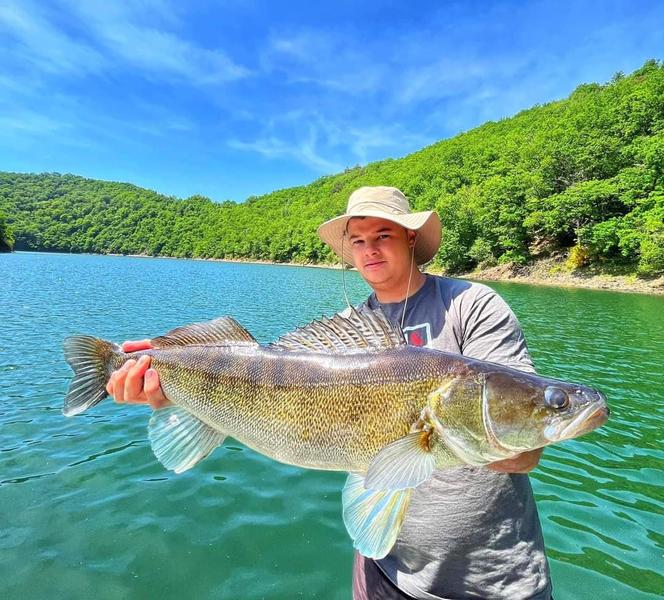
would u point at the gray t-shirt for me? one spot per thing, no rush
(469, 532)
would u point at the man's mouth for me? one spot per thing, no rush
(374, 264)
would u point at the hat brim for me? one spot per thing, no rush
(426, 223)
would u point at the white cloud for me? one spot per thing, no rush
(159, 52)
(328, 145)
(303, 151)
(106, 36)
(28, 37)
(440, 79)
(27, 122)
(130, 32)
(315, 57)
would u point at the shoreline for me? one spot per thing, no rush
(547, 272)
(543, 272)
(550, 272)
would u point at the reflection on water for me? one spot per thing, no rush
(95, 513)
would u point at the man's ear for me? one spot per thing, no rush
(411, 239)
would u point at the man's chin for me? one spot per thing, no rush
(374, 278)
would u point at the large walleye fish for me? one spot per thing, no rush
(343, 394)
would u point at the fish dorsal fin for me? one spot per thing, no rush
(219, 331)
(364, 331)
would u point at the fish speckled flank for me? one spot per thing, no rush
(345, 394)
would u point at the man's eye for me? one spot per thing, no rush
(356, 242)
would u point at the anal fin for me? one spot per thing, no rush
(179, 439)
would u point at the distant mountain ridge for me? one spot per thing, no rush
(581, 175)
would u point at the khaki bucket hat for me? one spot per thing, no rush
(385, 203)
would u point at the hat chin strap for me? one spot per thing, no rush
(410, 277)
(343, 270)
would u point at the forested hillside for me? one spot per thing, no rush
(582, 175)
(6, 238)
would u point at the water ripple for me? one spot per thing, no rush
(100, 516)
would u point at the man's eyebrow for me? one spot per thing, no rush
(386, 229)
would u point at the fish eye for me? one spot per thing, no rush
(556, 398)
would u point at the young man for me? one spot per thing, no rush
(470, 532)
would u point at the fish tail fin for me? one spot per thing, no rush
(373, 518)
(90, 358)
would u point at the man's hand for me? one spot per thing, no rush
(522, 463)
(135, 382)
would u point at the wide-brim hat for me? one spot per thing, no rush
(384, 203)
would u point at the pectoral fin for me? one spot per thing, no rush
(373, 518)
(179, 439)
(405, 463)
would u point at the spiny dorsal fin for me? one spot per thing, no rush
(364, 331)
(218, 331)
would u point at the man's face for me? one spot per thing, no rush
(381, 251)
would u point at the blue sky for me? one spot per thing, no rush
(236, 98)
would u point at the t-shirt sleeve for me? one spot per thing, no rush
(490, 331)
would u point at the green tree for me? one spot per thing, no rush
(586, 172)
(6, 236)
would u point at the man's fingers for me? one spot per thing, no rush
(119, 380)
(133, 386)
(136, 382)
(153, 391)
(136, 345)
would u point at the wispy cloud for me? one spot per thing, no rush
(150, 84)
(26, 122)
(310, 56)
(439, 79)
(107, 37)
(30, 38)
(328, 145)
(304, 150)
(128, 32)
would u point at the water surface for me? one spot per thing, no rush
(87, 510)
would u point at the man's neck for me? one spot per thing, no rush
(402, 291)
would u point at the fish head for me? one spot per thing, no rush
(525, 412)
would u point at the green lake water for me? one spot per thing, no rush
(86, 511)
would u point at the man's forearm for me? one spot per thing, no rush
(523, 463)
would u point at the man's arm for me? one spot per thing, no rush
(522, 463)
(491, 332)
(135, 382)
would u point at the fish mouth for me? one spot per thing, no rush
(587, 419)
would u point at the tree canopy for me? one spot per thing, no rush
(6, 237)
(584, 173)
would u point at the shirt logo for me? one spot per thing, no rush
(418, 335)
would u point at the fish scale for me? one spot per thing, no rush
(326, 417)
(344, 394)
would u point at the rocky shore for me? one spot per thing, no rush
(552, 272)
